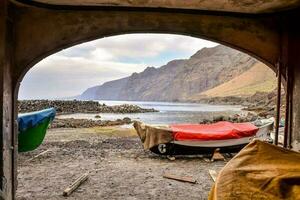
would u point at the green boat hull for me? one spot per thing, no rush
(33, 137)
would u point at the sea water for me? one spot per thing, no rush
(169, 112)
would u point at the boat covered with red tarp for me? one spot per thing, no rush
(189, 138)
(218, 131)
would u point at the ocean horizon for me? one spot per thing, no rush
(169, 112)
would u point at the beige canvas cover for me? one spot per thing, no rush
(260, 171)
(151, 135)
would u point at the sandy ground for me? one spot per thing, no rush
(119, 168)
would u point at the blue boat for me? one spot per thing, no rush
(33, 127)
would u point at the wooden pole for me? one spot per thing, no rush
(287, 109)
(8, 137)
(278, 103)
(187, 179)
(75, 184)
(284, 58)
(290, 111)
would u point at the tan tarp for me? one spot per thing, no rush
(152, 136)
(260, 171)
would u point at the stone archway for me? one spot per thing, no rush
(31, 32)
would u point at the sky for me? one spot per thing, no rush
(71, 71)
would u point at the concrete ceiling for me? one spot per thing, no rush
(239, 6)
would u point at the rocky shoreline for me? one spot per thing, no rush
(87, 123)
(261, 103)
(75, 106)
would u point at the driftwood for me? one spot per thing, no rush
(213, 174)
(180, 178)
(71, 188)
(40, 154)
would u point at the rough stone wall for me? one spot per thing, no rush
(243, 6)
(39, 32)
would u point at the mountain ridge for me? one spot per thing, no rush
(178, 80)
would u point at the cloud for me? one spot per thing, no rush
(62, 76)
(71, 71)
(139, 46)
(102, 54)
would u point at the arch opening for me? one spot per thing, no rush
(219, 92)
(46, 54)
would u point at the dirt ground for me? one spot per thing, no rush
(119, 168)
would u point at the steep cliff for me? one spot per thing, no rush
(178, 80)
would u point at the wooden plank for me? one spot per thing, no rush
(213, 174)
(71, 188)
(187, 179)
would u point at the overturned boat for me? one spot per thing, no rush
(32, 128)
(201, 138)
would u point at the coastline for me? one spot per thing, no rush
(70, 113)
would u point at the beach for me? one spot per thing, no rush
(118, 168)
(105, 145)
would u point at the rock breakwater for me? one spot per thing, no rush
(75, 106)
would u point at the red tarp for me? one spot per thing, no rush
(217, 131)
